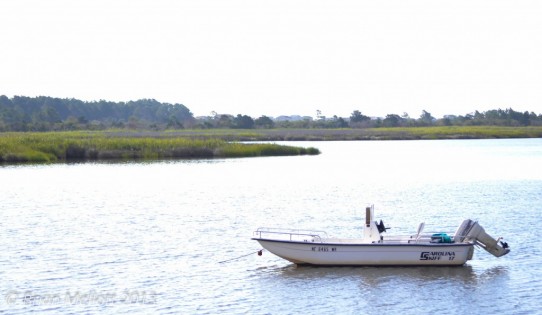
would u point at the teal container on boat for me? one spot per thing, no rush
(441, 238)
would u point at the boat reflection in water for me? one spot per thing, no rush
(377, 276)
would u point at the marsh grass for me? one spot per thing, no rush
(217, 143)
(70, 146)
(264, 149)
(396, 133)
(467, 132)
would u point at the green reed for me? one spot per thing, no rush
(69, 146)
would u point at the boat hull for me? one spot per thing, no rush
(335, 254)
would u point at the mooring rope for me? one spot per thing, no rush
(259, 252)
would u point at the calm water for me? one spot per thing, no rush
(148, 237)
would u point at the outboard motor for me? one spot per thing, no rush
(471, 231)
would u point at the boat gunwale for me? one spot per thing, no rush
(364, 244)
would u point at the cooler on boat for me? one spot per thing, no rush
(441, 238)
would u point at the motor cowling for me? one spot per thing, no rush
(470, 230)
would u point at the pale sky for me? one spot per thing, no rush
(278, 57)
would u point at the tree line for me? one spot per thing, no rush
(495, 117)
(43, 113)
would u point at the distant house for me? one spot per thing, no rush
(293, 118)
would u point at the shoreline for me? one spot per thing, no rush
(346, 134)
(122, 145)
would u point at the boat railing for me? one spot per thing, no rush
(307, 236)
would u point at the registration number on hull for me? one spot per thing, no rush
(324, 249)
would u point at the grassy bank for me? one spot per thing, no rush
(73, 146)
(407, 133)
(216, 143)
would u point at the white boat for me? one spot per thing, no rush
(376, 249)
